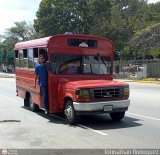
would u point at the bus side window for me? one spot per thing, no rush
(21, 58)
(16, 58)
(25, 58)
(35, 56)
(30, 59)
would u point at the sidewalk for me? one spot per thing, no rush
(155, 81)
(6, 75)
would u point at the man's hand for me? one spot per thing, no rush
(35, 85)
(35, 80)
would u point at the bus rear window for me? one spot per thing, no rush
(88, 43)
(25, 53)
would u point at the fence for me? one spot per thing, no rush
(153, 68)
(7, 69)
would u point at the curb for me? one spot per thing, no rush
(3, 75)
(156, 82)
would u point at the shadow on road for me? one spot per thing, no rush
(58, 118)
(97, 122)
(103, 122)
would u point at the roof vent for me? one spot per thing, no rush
(68, 33)
(83, 44)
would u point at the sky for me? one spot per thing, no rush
(12, 11)
(19, 10)
(152, 1)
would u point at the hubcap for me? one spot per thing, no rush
(69, 112)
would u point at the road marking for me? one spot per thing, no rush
(82, 126)
(157, 119)
(8, 98)
(102, 133)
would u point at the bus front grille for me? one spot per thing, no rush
(106, 93)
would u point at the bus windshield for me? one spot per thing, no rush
(84, 64)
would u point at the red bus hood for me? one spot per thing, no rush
(93, 84)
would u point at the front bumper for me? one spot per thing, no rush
(117, 106)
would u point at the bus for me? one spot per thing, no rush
(80, 76)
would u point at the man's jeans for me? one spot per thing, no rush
(44, 90)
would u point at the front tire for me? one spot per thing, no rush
(117, 116)
(70, 113)
(34, 107)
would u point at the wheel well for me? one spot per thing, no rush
(66, 99)
(27, 95)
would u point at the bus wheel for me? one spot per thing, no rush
(70, 113)
(34, 107)
(26, 102)
(117, 116)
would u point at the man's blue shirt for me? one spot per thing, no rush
(42, 72)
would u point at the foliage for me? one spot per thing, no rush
(21, 31)
(133, 25)
(77, 16)
(147, 41)
(6, 58)
(119, 20)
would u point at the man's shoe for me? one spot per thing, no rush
(46, 112)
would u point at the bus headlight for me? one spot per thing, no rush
(83, 93)
(126, 91)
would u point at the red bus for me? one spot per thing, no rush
(80, 76)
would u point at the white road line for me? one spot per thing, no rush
(82, 126)
(157, 119)
(102, 133)
(8, 98)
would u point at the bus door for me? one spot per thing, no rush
(53, 83)
(43, 51)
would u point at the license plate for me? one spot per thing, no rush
(108, 108)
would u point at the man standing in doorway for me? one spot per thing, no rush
(41, 75)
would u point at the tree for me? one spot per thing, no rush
(77, 16)
(101, 17)
(146, 41)
(10, 58)
(121, 22)
(6, 50)
(8, 43)
(54, 17)
(22, 31)
(118, 20)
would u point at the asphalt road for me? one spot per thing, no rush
(21, 128)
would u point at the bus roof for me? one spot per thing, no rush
(43, 42)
